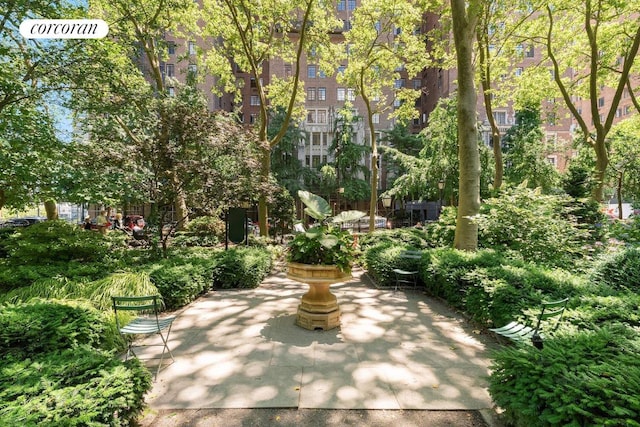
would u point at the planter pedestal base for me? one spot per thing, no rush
(318, 308)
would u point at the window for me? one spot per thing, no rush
(311, 71)
(171, 47)
(307, 161)
(399, 83)
(192, 48)
(341, 92)
(315, 161)
(311, 118)
(315, 138)
(341, 69)
(396, 102)
(600, 102)
(321, 74)
(500, 117)
(255, 100)
(192, 69)
(342, 4)
(322, 94)
(351, 4)
(377, 26)
(287, 70)
(376, 118)
(530, 52)
(519, 71)
(253, 118)
(552, 160)
(321, 116)
(170, 69)
(618, 112)
(346, 25)
(311, 94)
(351, 94)
(417, 84)
(171, 90)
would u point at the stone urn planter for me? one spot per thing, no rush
(320, 257)
(318, 308)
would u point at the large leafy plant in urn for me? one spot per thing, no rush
(320, 257)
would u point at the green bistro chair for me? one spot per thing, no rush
(147, 323)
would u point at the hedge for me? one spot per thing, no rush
(241, 268)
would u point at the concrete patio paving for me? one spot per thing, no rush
(393, 350)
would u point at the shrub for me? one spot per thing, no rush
(55, 241)
(201, 231)
(180, 281)
(491, 288)
(541, 228)
(46, 326)
(619, 270)
(380, 260)
(586, 378)
(414, 237)
(241, 268)
(627, 230)
(74, 387)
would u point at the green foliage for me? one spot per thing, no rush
(381, 259)
(586, 378)
(240, 268)
(540, 228)
(48, 326)
(336, 249)
(627, 230)
(97, 292)
(78, 386)
(442, 231)
(180, 280)
(201, 231)
(620, 270)
(55, 241)
(524, 152)
(413, 237)
(324, 243)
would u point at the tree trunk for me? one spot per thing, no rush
(265, 171)
(51, 208)
(464, 22)
(3, 198)
(602, 162)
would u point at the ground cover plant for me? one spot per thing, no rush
(54, 369)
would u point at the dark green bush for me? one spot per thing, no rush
(180, 281)
(202, 231)
(620, 270)
(55, 241)
(541, 228)
(589, 378)
(493, 289)
(73, 387)
(627, 230)
(241, 268)
(380, 260)
(47, 326)
(414, 237)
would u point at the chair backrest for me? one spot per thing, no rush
(146, 304)
(550, 310)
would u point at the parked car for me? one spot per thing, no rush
(23, 222)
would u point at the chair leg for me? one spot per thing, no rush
(165, 348)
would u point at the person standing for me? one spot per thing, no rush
(87, 223)
(101, 222)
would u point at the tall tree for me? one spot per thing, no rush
(33, 72)
(525, 154)
(592, 46)
(141, 29)
(248, 35)
(382, 40)
(465, 15)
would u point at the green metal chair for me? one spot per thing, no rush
(519, 332)
(147, 322)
